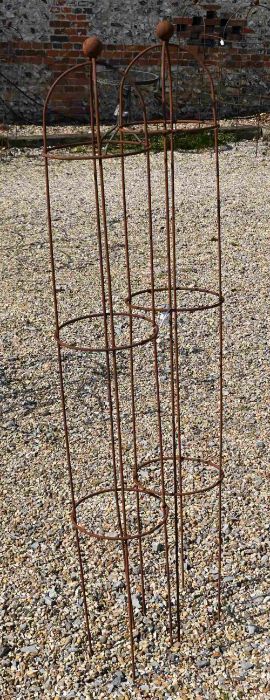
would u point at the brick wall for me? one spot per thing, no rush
(41, 38)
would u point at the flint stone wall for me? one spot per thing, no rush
(41, 38)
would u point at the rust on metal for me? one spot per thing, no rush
(177, 462)
(165, 30)
(92, 47)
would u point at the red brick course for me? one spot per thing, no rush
(67, 30)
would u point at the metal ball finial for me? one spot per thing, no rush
(165, 30)
(92, 47)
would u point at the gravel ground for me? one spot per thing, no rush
(36, 129)
(43, 643)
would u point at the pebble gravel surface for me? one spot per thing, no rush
(43, 649)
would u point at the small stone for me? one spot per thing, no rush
(118, 585)
(202, 663)
(76, 623)
(144, 475)
(136, 633)
(4, 650)
(52, 593)
(136, 602)
(31, 672)
(158, 547)
(253, 629)
(48, 600)
(246, 665)
(73, 649)
(118, 678)
(31, 649)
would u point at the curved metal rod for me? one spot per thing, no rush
(198, 4)
(251, 7)
(79, 66)
(206, 34)
(255, 9)
(188, 50)
(231, 17)
(73, 69)
(251, 11)
(100, 62)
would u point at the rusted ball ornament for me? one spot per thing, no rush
(92, 47)
(165, 30)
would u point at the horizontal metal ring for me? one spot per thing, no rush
(128, 536)
(50, 155)
(181, 309)
(194, 492)
(82, 348)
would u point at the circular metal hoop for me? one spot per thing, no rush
(119, 538)
(156, 127)
(117, 508)
(181, 309)
(51, 155)
(207, 464)
(82, 348)
(137, 77)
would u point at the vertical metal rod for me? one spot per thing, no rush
(93, 109)
(49, 218)
(115, 374)
(258, 120)
(176, 345)
(114, 399)
(220, 355)
(133, 409)
(168, 236)
(153, 311)
(103, 297)
(166, 545)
